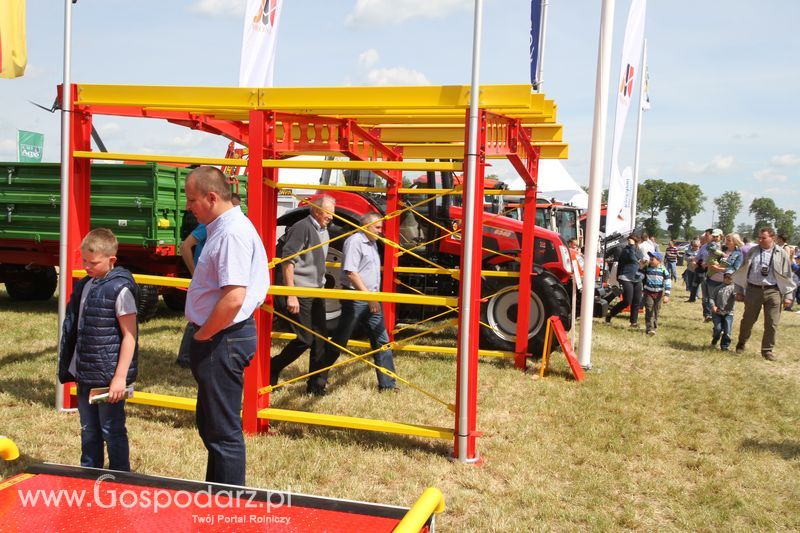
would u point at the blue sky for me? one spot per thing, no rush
(725, 75)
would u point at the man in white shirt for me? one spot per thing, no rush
(230, 282)
(763, 281)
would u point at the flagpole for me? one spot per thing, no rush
(462, 439)
(542, 31)
(638, 134)
(596, 181)
(63, 251)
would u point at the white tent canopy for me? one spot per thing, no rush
(554, 182)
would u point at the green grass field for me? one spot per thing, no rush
(665, 433)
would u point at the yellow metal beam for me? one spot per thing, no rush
(426, 505)
(309, 99)
(342, 294)
(447, 133)
(446, 350)
(456, 151)
(367, 165)
(349, 422)
(160, 158)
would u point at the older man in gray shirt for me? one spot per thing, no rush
(361, 271)
(305, 270)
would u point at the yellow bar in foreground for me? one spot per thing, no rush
(342, 294)
(365, 165)
(431, 501)
(349, 422)
(160, 158)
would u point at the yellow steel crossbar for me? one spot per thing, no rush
(450, 133)
(317, 100)
(320, 187)
(160, 158)
(285, 415)
(272, 163)
(349, 422)
(445, 350)
(548, 150)
(342, 294)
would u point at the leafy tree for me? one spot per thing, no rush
(765, 212)
(682, 202)
(784, 222)
(649, 203)
(728, 206)
(745, 230)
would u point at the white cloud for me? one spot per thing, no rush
(786, 160)
(109, 128)
(8, 149)
(230, 8)
(396, 76)
(368, 58)
(769, 175)
(370, 12)
(746, 136)
(717, 164)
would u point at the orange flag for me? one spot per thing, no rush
(13, 51)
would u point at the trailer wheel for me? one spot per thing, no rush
(499, 312)
(33, 285)
(147, 302)
(175, 299)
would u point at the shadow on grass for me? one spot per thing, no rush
(8, 305)
(684, 346)
(24, 357)
(33, 390)
(786, 449)
(366, 439)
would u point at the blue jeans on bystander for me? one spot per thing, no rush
(723, 326)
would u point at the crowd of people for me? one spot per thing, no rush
(723, 270)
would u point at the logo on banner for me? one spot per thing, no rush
(626, 88)
(264, 19)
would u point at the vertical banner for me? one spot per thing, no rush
(536, 27)
(30, 146)
(261, 20)
(620, 187)
(13, 50)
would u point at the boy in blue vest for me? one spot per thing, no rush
(655, 288)
(99, 349)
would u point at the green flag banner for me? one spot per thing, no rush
(30, 146)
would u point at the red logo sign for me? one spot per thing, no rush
(266, 13)
(627, 83)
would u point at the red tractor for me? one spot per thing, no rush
(551, 273)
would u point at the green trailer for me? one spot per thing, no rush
(143, 204)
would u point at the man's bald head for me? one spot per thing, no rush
(208, 179)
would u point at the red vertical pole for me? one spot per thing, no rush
(391, 230)
(526, 263)
(472, 322)
(259, 202)
(78, 199)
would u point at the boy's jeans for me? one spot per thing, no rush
(723, 325)
(652, 308)
(103, 422)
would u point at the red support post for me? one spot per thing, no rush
(526, 262)
(261, 211)
(391, 230)
(471, 322)
(78, 200)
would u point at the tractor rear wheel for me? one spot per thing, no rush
(500, 311)
(39, 284)
(147, 302)
(175, 299)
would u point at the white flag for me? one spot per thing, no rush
(620, 187)
(261, 20)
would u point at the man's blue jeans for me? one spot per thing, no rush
(103, 422)
(723, 325)
(218, 367)
(356, 312)
(672, 268)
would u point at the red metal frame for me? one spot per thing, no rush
(499, 135)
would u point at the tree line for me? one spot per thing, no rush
(681, 202)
